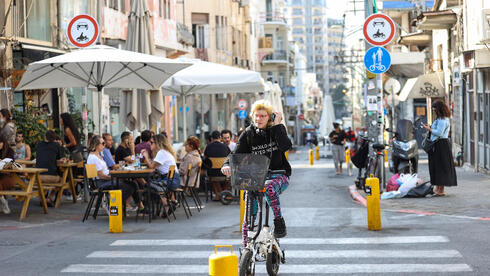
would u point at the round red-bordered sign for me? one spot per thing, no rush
(379, 29)
(82, 30)
(242, 104)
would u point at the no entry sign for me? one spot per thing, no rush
(82, 31)
(379, 29)
(242, 104)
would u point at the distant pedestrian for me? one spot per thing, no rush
(441, 164)
(337, 138)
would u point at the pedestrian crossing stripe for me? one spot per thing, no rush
(291, 241)
(260, 269)
(296, 254)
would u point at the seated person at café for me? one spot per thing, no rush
(106, 154)
(104, 182)
(192, 156)
(145, 143)
(49, 154)
(164, 158)
(215, 149)
(6, 181)
(125, 151)
(22, 150)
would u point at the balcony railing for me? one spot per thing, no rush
(274, 16)
(277, 55)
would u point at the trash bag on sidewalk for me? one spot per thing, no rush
(390, 195)
(407, 182)
(392, 184)
(421, 190)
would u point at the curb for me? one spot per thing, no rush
(356, 196)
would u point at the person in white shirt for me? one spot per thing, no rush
(104, 182)
(226, 136)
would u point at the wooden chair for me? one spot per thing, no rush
(190, 189)
(194, 191)
(91, 175)
(180, 195)
(216, 163)
(166, 194)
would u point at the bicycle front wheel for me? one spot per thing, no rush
(273, 261)
(246, 267)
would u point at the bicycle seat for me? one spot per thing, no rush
(277, 171)
(378, 146)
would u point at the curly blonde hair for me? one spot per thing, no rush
(267, 108)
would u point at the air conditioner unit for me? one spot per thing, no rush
(486, 25)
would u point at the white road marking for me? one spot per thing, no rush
(260, 269)
(291, 254)
(367, 240)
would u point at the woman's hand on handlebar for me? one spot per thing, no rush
(226, 171)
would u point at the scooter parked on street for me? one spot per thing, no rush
(404, 148)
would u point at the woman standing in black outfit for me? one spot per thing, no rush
(441, 164)
(72, 136)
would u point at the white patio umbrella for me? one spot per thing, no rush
(100, 67)
(211, 78)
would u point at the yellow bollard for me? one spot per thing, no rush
(115, 211)
(223, 263)
(310, 155)
(317, 149)
(373, 203)
(347, 156)
(386, 156)
(242, 209)
(287, 155)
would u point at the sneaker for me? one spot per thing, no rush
(4, 205)
(279, 227)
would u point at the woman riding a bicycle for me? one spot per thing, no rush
(267, 136)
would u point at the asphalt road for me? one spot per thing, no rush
(327, 234)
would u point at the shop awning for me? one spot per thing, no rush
(406, 64)
(433, 20)
(421, 38)
(427, 85)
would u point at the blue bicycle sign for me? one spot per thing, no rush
(377, 60)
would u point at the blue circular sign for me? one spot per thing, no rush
(242, 114)
(377, 60)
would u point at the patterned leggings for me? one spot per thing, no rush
(273, 188)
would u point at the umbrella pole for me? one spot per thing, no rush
(100, 109)
(202, 118)
(184, 121)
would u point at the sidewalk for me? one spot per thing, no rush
(467, 200)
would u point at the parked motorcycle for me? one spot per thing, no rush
(404, 147)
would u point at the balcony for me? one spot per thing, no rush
(279, 56)
(273, 17)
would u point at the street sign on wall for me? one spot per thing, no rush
(82, 31)
(377, 60)
(379, 29)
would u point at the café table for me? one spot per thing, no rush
(27, 192)
(27, 163)
(67, 182)
(134, 173)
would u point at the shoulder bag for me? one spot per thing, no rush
(428, 144)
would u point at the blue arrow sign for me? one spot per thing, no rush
(242, 114)
(377, 60)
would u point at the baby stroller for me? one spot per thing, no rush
(360, 160)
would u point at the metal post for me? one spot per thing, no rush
(202, 117)
(184, 119)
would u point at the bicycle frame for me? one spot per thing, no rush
(263, 241)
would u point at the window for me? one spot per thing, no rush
(200, 30)
(33, 19)
(297, 11)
